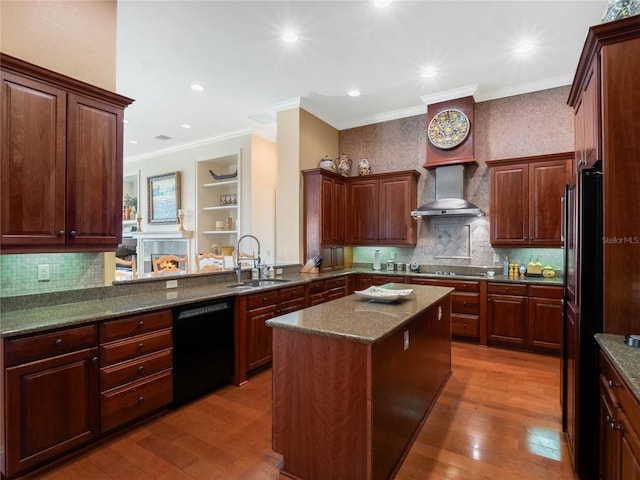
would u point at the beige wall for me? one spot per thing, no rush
(75, 38)
(303, 140)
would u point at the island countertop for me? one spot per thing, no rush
(361, 320)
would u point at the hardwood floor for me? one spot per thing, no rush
(497, 418)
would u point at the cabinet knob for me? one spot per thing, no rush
(506, 289)
(58, 342)
(464, 286)
(140, 399)
(464, 325)
(140, 346)
(612, 384)
(72, 233)
(464, 303)
(94, 360)
(141, 323)
(140, 369)
(61, 233)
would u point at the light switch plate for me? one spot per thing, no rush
(43, 273)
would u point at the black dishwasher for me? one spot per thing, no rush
(202, 348)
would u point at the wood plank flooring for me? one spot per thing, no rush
(497, 418)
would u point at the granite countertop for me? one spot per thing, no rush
(625, 358)
(150, 294)
(358, 319)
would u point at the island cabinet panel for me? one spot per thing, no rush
(51, 396)
(349, 410)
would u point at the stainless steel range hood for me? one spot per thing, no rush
(449, 195)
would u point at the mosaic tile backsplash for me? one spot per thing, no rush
(67, 271)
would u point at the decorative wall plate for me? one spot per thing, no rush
(448, 129)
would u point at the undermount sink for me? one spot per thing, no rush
(265, 282)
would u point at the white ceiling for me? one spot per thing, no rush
(234, 49)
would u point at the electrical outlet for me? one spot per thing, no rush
(172, 295)
(43, 273)
(406, 339)
(172, 283)
(496, 258)
(278, 271)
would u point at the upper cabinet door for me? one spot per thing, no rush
(398, 197)
(33, 162)
(363, 201)
(94, 172)
(509, 205)
(546, 189)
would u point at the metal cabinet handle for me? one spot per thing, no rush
(140, 369)
(94, 359)
(72, 233)
(61, 233)
(612, 384)
(464, 303)
(140, 399)
(464, 325)
(506, 289)
(141, 346)
(58, 342)
(141, 323)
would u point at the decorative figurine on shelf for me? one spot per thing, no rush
(139, 220)
(344, 165)
(364, 167)
(328, 164)
(181, 220)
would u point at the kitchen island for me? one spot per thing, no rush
(354, 380)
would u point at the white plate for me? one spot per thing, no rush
(382, 294)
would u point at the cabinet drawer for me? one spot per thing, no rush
(507, 288)
(121, 405)
(36, 347)
(465, 303)
(315, 286)
(258, 300)
(126, 327)
(459, 285)
(465, 326)
(290, 293)
(545, 291)
(334, 293)
(133, 370)
(621, 392)
(290, 306)
(120, 350)
(331, 283)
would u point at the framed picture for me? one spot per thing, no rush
(164, 198)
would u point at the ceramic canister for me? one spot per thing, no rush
(364, 168)
(328, 164)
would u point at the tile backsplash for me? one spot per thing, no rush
(67, 271)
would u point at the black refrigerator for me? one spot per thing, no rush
(582, 320)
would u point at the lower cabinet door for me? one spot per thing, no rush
(507, 317)
(51, 407)
(259, 338)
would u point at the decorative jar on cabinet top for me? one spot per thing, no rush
(344, 165)
(364, 168)
(328, 164)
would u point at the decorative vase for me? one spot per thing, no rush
(619, 9)
(328, 164)
(364, 168)
(344, 165)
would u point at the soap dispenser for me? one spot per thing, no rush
(505, 267)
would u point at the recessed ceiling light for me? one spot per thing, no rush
(135, 142)
(429, 73)
(197, 87)
(290, 37)
(382, 3)
(354, 93)
(185, 125)
(524, 47)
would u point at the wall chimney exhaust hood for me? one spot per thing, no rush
(449, 196)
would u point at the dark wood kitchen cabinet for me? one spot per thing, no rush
(61, 173)
(526, 316)
(507, 313)
(324, 217)
(526, 199)
(379, 209)
(466, 306)
(587, 126)
(619, 426)
(321, 291)
(136, 367)
(51, 396)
